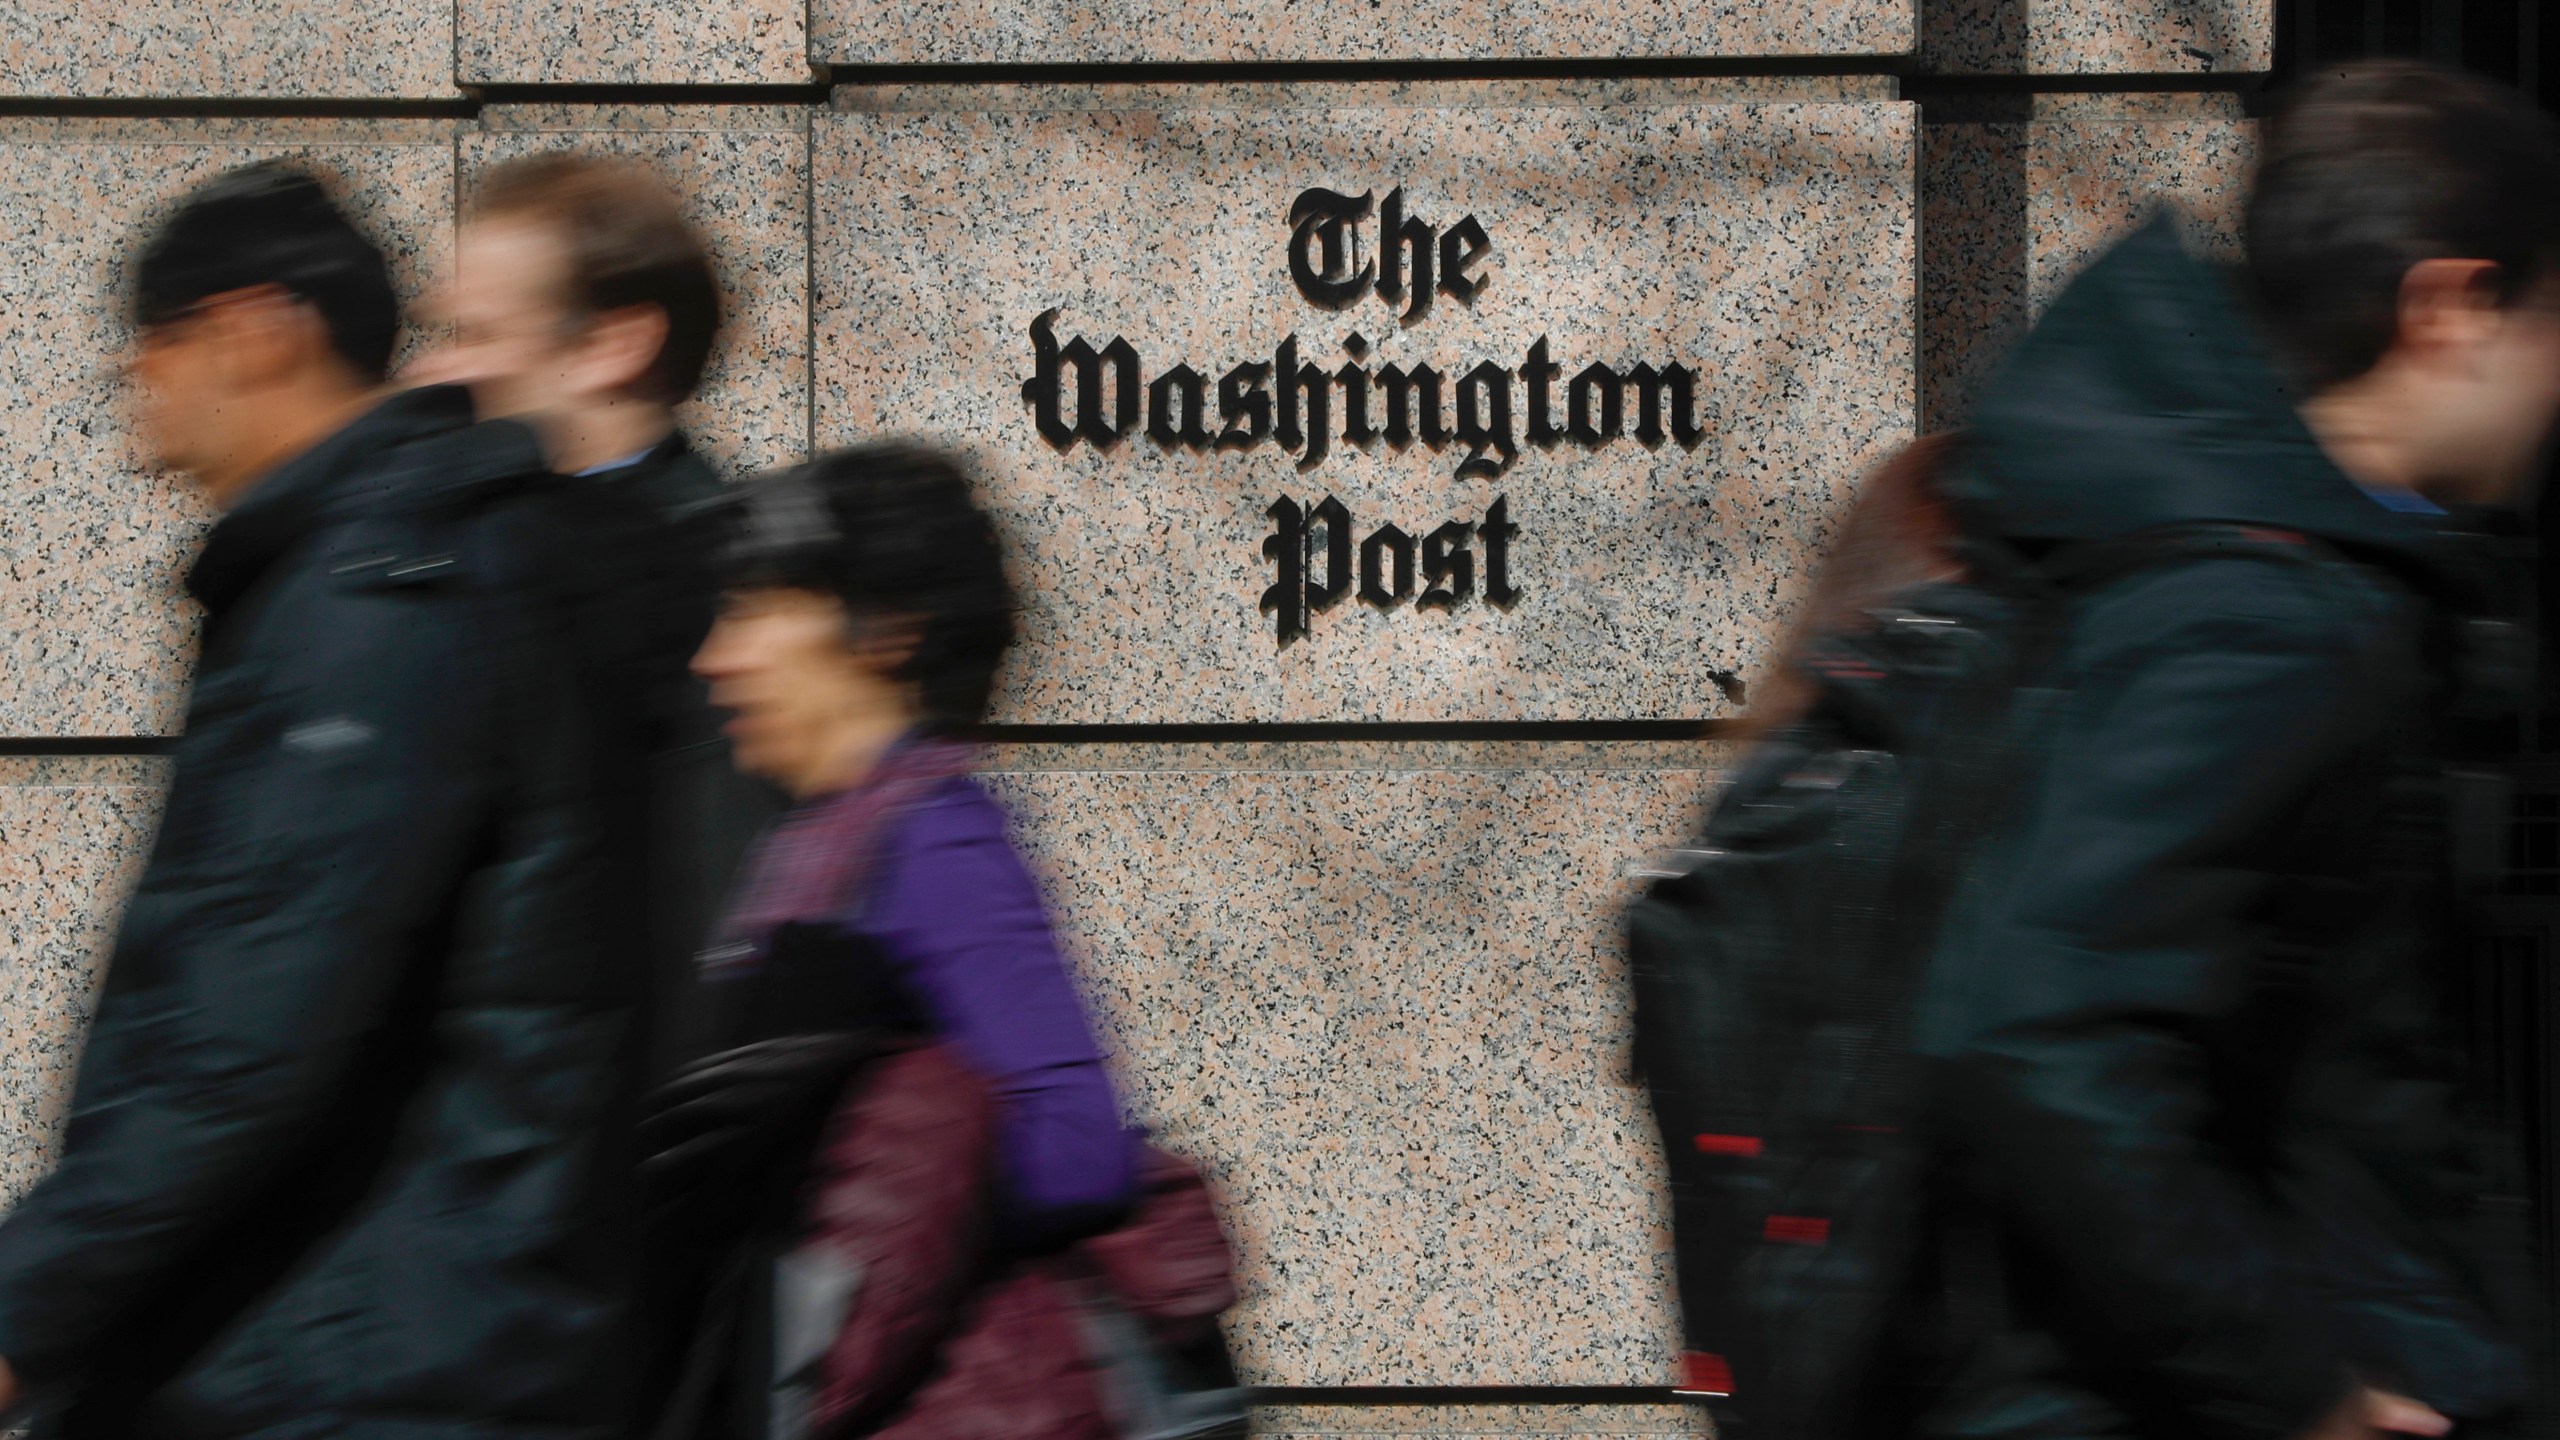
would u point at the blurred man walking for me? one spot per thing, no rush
(334, 1160)
(2045, 1031)
(2182, 1023)
(584, 305)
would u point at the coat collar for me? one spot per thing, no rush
(356, 466)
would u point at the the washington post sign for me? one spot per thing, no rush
(1393, 414)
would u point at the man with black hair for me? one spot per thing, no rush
(2184, 1056)
(334, 1161)
(584, 305)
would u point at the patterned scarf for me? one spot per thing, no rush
(815, 861)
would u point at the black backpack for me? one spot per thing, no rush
(1777, 962)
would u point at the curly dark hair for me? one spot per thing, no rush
(889, 529)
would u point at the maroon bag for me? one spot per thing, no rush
(900, 1187)
(1167, 1264)
(1016, 1369)
(941, 1341)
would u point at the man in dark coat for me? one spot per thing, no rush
(334, 1162)
(584, 305)
(2207, 1182)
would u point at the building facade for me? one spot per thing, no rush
(1412, 423)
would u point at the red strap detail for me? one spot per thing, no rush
(2266, 536)
(1796, 1230)
(1727, 1144)
(1704, 1373)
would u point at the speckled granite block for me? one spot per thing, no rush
(1385, 1010)
(1510, 92)
(1768, 248)
(1375, 755)
(72, 836)
(273, 49)
(944, 32)
(2078, 37)
(1451, 1422)
(2013, 207)
(743, 173)
(94, 634)
(632, 42)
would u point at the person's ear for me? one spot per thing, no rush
(2449, 309)
(621, 347)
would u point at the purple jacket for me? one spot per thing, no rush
(956, 912)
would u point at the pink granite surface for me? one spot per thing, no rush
(95, 636)
(2012, 207)
(1427, 91)
(2079, 37)
(1384, 1008)
(1446, 1421)
(973, 32)
(72, 833)
(632, 42)
(1769, 247)
(743, 174)
(271, 49)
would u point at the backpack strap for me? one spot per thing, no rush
(2087, 565)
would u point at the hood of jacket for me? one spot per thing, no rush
(2146, 399)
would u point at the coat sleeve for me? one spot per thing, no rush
(963, 920)
(314, 843)
(2070, 1012)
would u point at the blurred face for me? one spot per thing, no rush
(2480, 382)
(802, 689)
(2497, 423)
(513, 341)
(231, 387)
(176, 382)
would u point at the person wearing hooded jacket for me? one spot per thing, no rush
(2203, 1176)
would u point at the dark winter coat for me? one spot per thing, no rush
(699, 814)
(2183, 1022)
(335, 1161)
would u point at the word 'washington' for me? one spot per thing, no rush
(1103, 397)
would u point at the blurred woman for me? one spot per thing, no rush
(866, 612)
(899, 1200)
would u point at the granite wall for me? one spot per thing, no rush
(1339, 870)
